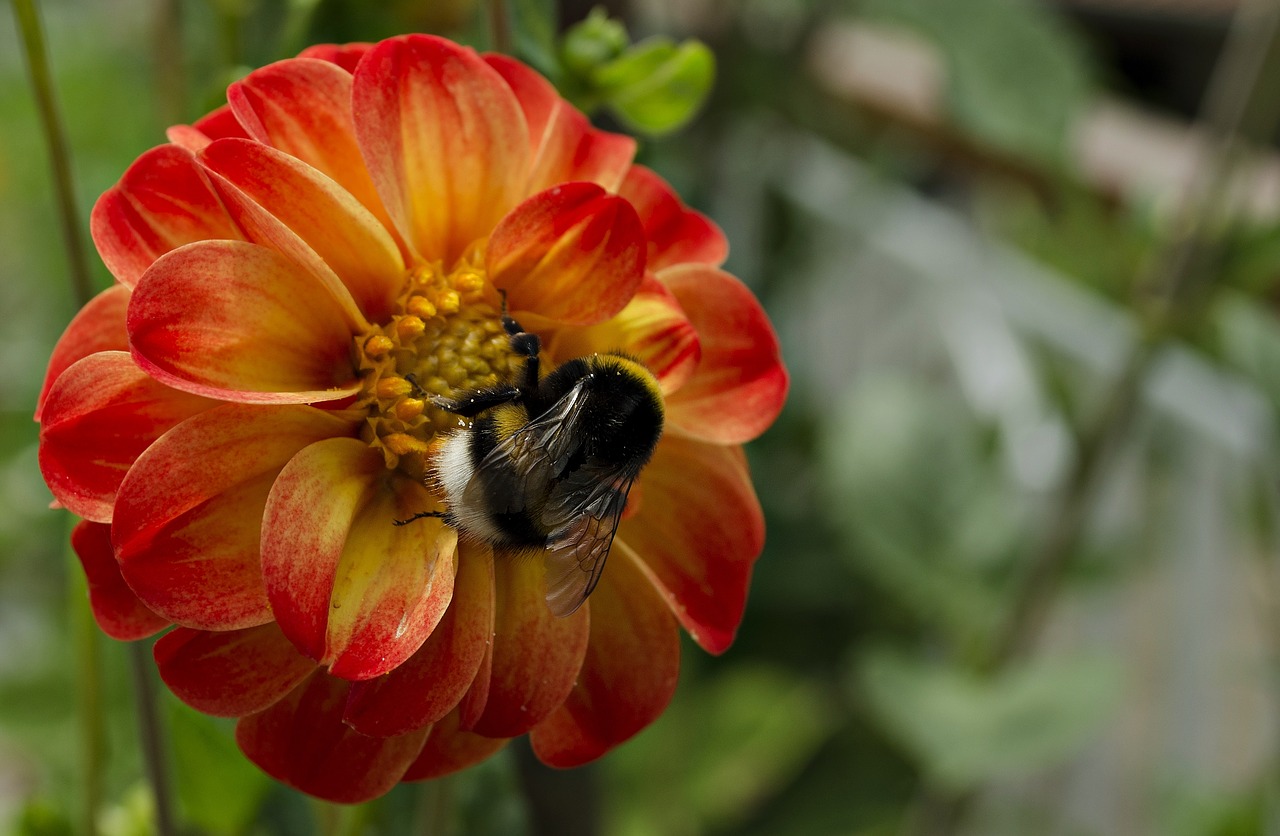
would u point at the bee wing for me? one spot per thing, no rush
(577, 550)
(520, 470)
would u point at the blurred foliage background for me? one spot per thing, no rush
(1023, 524)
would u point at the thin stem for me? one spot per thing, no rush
(151, 736)
(167, 65)
(33, 43)
(435, 807)
(87, 646)
(499, 27)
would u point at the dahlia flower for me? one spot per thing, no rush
(235, 423)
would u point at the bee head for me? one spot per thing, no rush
(624, 414)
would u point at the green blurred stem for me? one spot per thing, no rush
(55, 135)
(1178, 284)
(87, 647)
(167, 65)
(499, 27)
(434, 815)
(151, 735)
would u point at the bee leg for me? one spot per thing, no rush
(418, 391)
(526, 345)
(472, 404)
(420, 515)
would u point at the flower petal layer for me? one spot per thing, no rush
(99, 326)
(573, 253)
(100, 415)
(188, 521)
(349, 587)
(292, 207)
(346, 56)
(565, 146)
(628, 676)
(432, 682)
(740, 384)
(536, 656)
(652, 328)
(301, 741)
(220, 123)
(230, 673)
(444, 139)
(241, 322)
(164, 200)
(676, 233)
(698, 533)
(448, 749)
(116, 609)
(303, 108)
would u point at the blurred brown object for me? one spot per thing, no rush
(1124, 151)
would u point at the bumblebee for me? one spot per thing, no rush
(547, 462)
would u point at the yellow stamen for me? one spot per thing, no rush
(393, 387)
(378, 345)
(445, 338)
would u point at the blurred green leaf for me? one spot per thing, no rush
(593, 41)
(39, 817)
(218, 788)
(133, 815)
(925, 507)
(1017, 74)
(966, 729)
(719, 752)
(533, 23)
(657, 85)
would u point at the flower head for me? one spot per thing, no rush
(301, 277)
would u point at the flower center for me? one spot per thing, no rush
(445, 338)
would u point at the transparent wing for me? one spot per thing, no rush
(577, 550)
(519, 472)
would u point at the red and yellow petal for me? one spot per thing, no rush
(432, 682)
(536, 656)
(350, 588)
(301, 741)
(99, 326)
(302, 107)
(100, 415)
(188, 521)
(230, 673)
(118, 611)
(676, 233)
(293, 208)
(564, 145)
(220, 123)
(164, 200)
(740, 384)
(698, 534)
(240, 322)
(573, 254)
(629, 674)
(346, 56)
(444, 139)
(449, 749)
(652, 328)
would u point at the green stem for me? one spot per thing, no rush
(499, 27)
(167, 65)
(87, 647)
(151, 735)
(33, 43)
(435, 807)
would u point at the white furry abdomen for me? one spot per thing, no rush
(454, 470)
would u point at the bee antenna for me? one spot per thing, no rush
(418, 391)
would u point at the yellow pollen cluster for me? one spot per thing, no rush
(445, 339)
